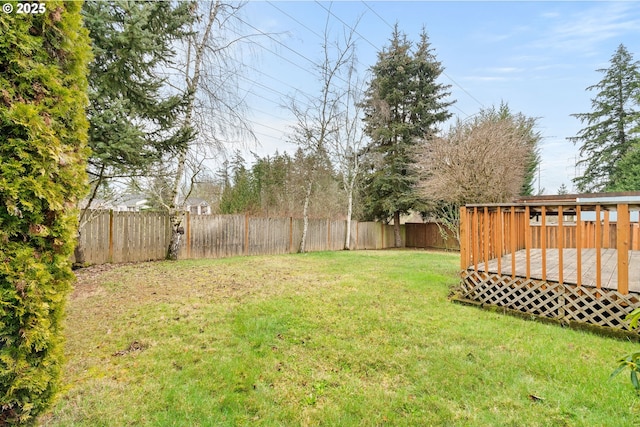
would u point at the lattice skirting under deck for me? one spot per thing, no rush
(602, 307)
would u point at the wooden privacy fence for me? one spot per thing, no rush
(116, 237)
(574, 261)
(430, 235)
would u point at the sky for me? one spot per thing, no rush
(537, 56)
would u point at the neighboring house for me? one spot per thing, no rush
(97, 204)
(139, 202)
(133, 203)
(197, 206)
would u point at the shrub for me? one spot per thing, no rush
(43, 133)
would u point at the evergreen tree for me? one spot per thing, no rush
(241, 196)
(133, 119)
(612, 126)
(43, 136)
(627, 176)
(403, 106)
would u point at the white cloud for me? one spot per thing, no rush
(550, 15)
(485, 78)
(505, 70)
(585, 30)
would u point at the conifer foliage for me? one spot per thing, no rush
(43, 135)
(133, 117)
(403, 107)
(611, 138)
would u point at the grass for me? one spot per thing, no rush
(335, 339)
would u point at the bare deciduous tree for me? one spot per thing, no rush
(348, 143)
(482, 160)
(317, 121)
(215, 112)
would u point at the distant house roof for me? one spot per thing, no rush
(192, 201)
(622, 196)
(134, 200)
(96, 204)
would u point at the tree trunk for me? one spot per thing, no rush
(305, 217)
(347, 241)
(177, 231)
(78, 252)
(396, 230)
(176, 214)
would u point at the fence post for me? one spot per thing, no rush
(246, 233)
(188, 235)
(357, 230)
(290, 234)
(110, 256)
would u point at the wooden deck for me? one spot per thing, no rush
(609, 275)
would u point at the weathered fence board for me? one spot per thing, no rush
(430, 235)
(117, 237)
(213, 236)
(269, 236)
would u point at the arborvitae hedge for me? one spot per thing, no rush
(43, 133)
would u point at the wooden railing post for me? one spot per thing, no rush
(543, 241)
(512, 237)
(606, 238)
(464, 249)
(578, 246)
(560, 238)
(474, 239)
(622, 243)
(598, 245)
(499, 237)
(486, 235)
(527, 240)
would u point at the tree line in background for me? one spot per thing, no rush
(400, 155)
(275, 186)
(162, 69)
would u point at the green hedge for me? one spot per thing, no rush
(43, 137)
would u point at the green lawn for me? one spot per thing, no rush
(337, 339)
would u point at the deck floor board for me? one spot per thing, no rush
(608, 259)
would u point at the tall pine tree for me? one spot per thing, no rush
(403, 106)
(612, 125)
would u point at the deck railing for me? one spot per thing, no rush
(493, 231)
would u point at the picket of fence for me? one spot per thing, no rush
(117, 237)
